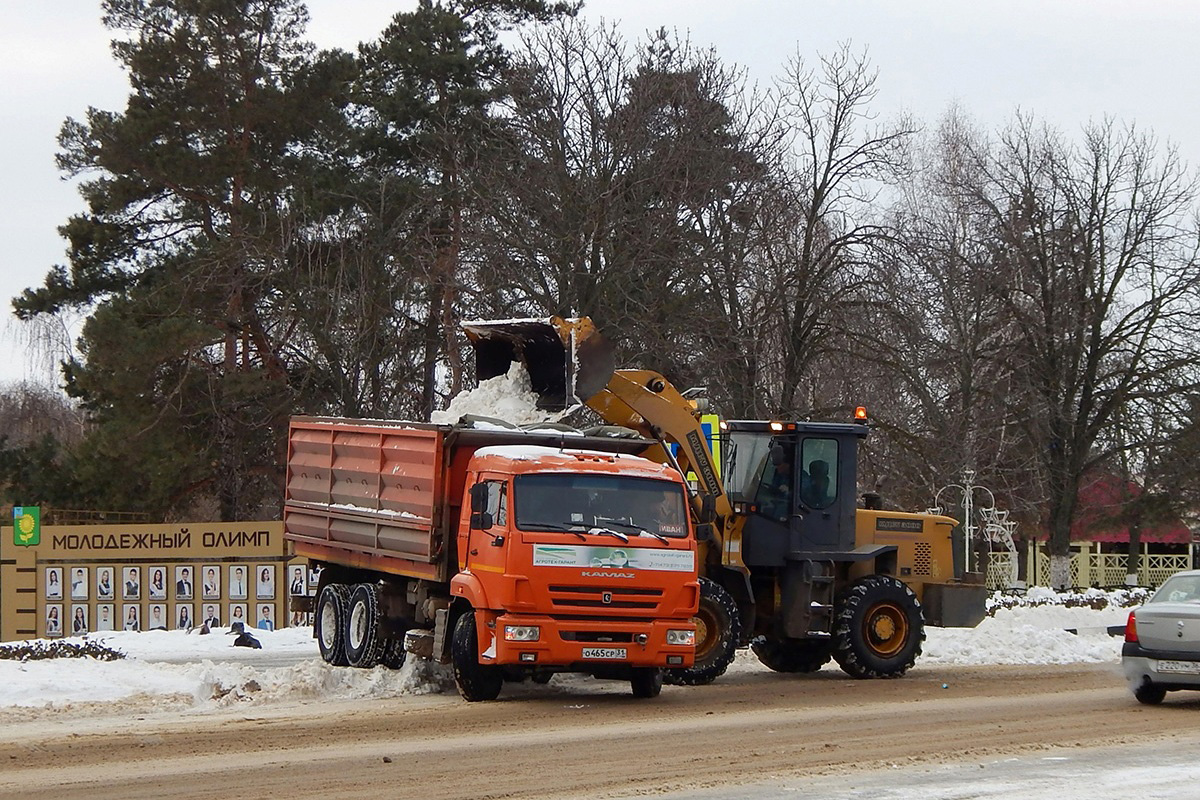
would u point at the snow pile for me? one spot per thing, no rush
(207, 672)
(508, 397)
(1097, 599)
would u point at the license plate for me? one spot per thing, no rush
(609, 653)
(1182, 667)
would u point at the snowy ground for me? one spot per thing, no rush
(208, 673)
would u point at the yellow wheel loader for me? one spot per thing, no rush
(791, 564)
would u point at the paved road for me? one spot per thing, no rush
(753, 734)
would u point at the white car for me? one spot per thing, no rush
(1162, 640)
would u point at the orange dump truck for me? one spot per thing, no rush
(510, 554)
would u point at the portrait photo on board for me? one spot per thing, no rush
(54, 620)
(158, 617)
(239, 582)
(314, 578)
(104, 583)
(264, 575)
(156, 576)
(183, 582)
(104, 616)
(183, 616)
(79, 619)
(131, 616)
(237, 614)
(266, 617)
(54, 583)
(297, 586)
(131, 583)
(211, 618)
(79, 583)
(212, 583)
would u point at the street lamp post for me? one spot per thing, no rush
(967, 488)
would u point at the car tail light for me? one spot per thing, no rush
(1131, 628)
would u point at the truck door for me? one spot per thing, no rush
(488, 531)
(818, 499)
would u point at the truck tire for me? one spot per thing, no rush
(792, 655)
(392, 654)
(363, 643)
(646, 681)
(475, 681)
(878, 628)
(718, 630)
(329, 623)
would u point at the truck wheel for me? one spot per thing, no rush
(646, 681)
(475, 681)
(792, 655)
(392, 653)
(878, 628)
(718, 630)
(362, 626)
(329, 624)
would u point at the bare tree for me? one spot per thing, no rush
(1095, 267)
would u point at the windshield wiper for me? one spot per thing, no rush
(638, 529)
(597, 531)
(552, 526)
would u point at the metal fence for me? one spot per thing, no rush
(1088, 568)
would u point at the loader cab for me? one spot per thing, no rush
(796, 484)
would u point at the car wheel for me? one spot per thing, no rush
(1149, 694)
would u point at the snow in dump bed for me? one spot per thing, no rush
(204, 672)
(507, 397)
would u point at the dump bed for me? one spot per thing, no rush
(386, 495)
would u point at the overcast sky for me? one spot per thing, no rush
(1067, 61)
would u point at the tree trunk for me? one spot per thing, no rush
(1060, 571)
(1133, 560)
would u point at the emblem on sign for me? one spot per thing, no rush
(606, 598)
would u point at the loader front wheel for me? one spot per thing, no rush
(718, 631)
(475, 681)
(878, 628)
(792, 655)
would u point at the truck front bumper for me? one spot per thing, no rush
(586, 645)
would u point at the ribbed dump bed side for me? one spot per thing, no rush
(367, 494)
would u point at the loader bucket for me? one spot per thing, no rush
(568, 360)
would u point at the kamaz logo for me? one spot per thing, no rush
(591, 574)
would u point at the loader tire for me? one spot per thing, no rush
(475, 681)
(878, 628)
(718, 631)
(363, 642)
(329, 623)
(792, 655)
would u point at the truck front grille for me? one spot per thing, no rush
(604, 597)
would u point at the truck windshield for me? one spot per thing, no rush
(572, 502)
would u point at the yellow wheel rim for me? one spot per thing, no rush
(886, 629)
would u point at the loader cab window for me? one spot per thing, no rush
(818, 477)
(776, 478)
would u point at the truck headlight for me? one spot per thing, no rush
(521, 633)
(682, 637)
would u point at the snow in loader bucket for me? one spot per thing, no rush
(568, 360)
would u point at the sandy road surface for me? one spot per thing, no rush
(585, 739)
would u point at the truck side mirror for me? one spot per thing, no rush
(481, 519)
(479, 498)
